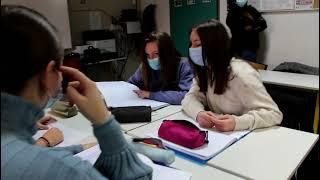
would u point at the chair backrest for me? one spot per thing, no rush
(258, 65)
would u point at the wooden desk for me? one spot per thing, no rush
(272, 153)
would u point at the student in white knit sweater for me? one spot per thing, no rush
(227, 93)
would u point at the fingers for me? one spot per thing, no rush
(75, 84)
(205, 123)
(74, 95)
(140, 93)
(136, 91)
(223, 116)
(42, 126)
(75, 74)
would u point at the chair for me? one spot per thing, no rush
(258, 65)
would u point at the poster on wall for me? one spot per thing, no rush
(177, 3)
(272, 5)
(304, 4)
(191, 2)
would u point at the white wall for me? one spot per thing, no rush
(290, 36)
(162, 13)
(55, 10)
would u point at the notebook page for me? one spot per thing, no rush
(71, 136)
(217, 143)
(120, 94)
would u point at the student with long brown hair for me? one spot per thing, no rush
(227, 93)
(163, 74)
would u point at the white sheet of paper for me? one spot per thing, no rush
(71, 136)
(159, 172)
(120, 94)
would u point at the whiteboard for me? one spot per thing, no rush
(56, 11)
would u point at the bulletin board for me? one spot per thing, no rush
(284, 5)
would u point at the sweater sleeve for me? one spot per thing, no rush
(74, 149)
(263, 111)
(194, 101)
(175, 97)
(118, 159)
(136, 78)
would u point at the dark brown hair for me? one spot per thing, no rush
(168, 55)
(29, 42)
(216, 52)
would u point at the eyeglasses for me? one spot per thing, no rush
(150, 141)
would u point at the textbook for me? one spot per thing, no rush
(218, 141)
(120, 94)
(159, 172)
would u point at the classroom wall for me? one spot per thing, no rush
(162, 13)
(55, 10)
(290, 36)
(80, 21)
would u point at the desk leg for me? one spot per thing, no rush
(316, 117)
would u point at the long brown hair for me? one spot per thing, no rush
(168, 55)
(216, 52)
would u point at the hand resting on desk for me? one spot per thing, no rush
(223, 122)
(42, 124)
(51, 138)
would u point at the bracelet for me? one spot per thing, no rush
(46, 140)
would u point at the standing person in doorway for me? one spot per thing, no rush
(245, 23)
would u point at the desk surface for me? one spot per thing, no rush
(295, 80)
(198, 172)
(272, 153)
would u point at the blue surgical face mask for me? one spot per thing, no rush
(196, 55)
(154, 63)
(241, 3)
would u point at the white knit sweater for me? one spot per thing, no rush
(245, 98)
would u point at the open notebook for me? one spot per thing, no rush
(120, 94)
(159, 172)
(218, 141)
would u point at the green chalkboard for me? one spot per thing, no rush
(184, 16)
